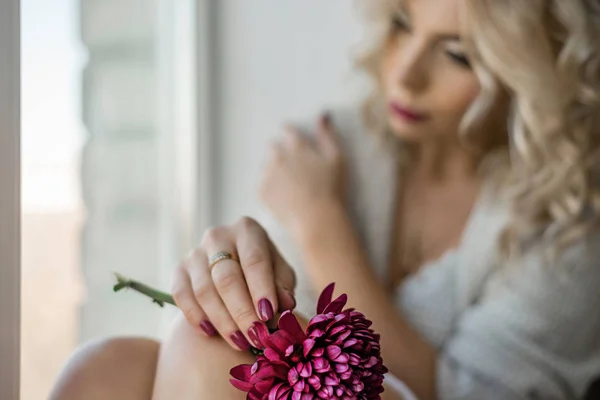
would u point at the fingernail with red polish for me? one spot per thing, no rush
(208, 328)
(265, 310)
(326, 118)
(240, 341)
(253, 334)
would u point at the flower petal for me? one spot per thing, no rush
(332, 380)
(358, 387)
(283, 392)
(271, 354)
(315, 382)
(338, 329)
(324, 393)
(280, 341)
(264, 386)
(371, 362)
(293, 376)
(337, 305)
(299, 386)
(289, 323)
(343, 336)
(317, 319)
(325, 298)
(307, 346)
(264, 373)
(342, 358)
(296, 396)
(341, 368)
(262, 332)
(243, 386)
(241, 372)
(306, 370)
(318, 352)
(289, 351)
(254, 395)
(321, 365)
(333, 352)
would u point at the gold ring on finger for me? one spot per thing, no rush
(218, 257)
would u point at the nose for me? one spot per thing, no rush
(410, 67)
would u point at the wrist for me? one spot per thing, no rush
(324, 217)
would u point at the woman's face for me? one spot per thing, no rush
(427, 79)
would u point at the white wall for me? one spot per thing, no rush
(278, 60)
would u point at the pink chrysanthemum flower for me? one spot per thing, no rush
(338, 357)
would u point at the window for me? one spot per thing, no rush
(144, 121)
(106, 134)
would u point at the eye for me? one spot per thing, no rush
(399, 24)
(459, 59)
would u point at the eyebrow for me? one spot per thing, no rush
(452, 37)
(445, 36)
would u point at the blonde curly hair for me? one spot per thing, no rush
(540, 59)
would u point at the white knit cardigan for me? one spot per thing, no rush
(528, 330)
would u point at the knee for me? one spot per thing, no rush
(106, 361)
(195, 366)
(190, 343)
(117, 349)
(104, 354)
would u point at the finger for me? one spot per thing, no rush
(257, 266)
(273, 163)
(276, 152)
(209, 299)
(327, 138)
(232, 288)
(183, 295)
(285, 280)
(293, 138)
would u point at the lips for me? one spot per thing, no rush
(406, 113)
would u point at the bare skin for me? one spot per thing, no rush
(196, 367)
(187, 364)
(430, 219)
(119, 368)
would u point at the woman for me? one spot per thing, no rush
(466, 230)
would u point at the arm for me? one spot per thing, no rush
(304, 188)
(333, 252)
(535, 331)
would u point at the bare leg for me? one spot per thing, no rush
(120, 368)
(192, 366)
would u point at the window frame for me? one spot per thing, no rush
(10, 207)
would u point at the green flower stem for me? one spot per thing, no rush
(157, 296)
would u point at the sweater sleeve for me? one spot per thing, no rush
(533, 334)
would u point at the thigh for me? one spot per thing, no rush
(192, 366)
(117, 369)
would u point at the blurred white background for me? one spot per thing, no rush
(143, 122)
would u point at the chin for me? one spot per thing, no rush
(408, 133)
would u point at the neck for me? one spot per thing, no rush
(444, 163)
